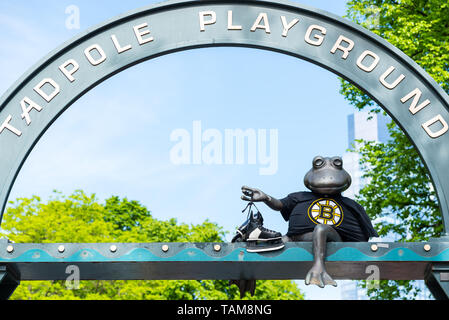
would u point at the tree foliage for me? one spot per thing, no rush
(399, 194)
(80, 218)
(419, 28)
(399, 185)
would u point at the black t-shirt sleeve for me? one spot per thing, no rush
(362, 217)
(288, 203)
(292, 200)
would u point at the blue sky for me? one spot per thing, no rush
(116, 139)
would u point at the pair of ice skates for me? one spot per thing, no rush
(259, 238)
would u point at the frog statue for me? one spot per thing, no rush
(318, 216)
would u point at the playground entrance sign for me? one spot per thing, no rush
(414, 100)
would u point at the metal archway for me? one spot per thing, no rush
(393, 80)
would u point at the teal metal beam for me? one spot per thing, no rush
(126, 261)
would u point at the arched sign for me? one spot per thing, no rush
(391, 78)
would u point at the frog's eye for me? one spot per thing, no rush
(318, 162)
(337, 162)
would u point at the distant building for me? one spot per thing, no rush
(369, 127)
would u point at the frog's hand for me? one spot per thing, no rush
(253, 194)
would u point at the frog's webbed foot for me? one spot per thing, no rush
(244, 286)
(320, 277)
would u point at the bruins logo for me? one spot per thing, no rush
(326, 211)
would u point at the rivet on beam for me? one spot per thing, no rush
(165, 248)
(113, 248)
(427, 247)
(9, 249)
(217, 247)
(374, 247)
(61, 249)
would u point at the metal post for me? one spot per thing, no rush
(9, 280)
(437, 280)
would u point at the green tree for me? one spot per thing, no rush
(81, 218)
(399, 184)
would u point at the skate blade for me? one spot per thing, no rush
(265, 249)
(264, 240)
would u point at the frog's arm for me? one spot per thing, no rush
(274, 203)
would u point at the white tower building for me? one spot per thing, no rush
(369, 127)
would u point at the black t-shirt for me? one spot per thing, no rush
(304, 210)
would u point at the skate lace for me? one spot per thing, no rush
(250, 212)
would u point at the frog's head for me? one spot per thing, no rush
(327, 176)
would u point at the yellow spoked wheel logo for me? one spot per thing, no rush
(326, 211)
